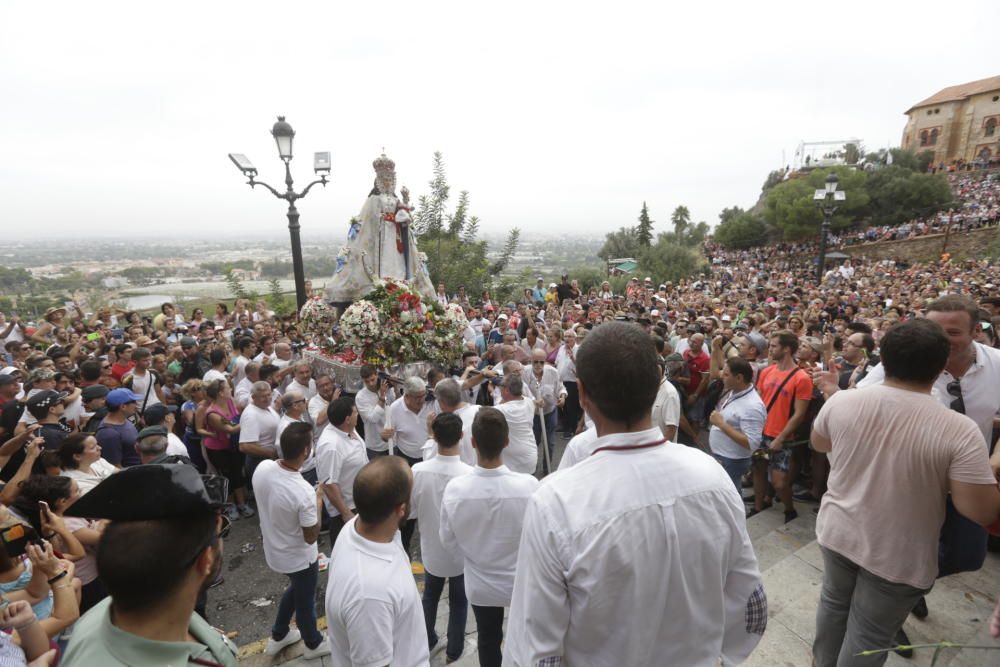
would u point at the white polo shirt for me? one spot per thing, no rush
(373, 416)
(521, 455)
(287, 504)
(481, 518)
(338, 462)
(411, 429)
(664, 524)
(260, 426)
(429, 481)
(372, 605)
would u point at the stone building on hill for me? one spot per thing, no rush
(957, 123)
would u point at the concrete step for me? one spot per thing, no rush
(792, 568)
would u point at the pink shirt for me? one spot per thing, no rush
(221, 439)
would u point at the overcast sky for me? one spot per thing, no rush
(557, 117)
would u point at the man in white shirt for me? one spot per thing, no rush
(241, 392)
(143, 380)
(246, 348)
(440, 565)
(584, 593)
(406, 430)
(289, 526)
(293, 410)
(302, 381)
(340, 456)
(371, 402)
(258, 426)
(164, 414)
(521, 455)
(372, 604)
(326, 391)
(449, 398)
(481, 518)
(579, 448)
(566, 365)
(737, 421)
(544, 384)
(666, 412)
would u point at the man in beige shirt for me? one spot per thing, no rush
(895, 454)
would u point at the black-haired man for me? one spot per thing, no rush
(481, 518)
(372, 605)
(659, 521)
(340, 455)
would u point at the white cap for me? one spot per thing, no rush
(654, 313)
(502, 316)
(7, 370)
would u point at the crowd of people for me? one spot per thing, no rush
(684, 408)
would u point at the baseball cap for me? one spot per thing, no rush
(9, 370)
(188, 341)
(502, 316)
(119, 397)
(155, 414)
(7, 378)
(159, 429)
(93, 391)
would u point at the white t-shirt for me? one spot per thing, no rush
(893, 455)
(521, 454)
(101, 470)
(259, 426)
(667, 406)
(429, 481)
(339, 460)
(481, 518)
(211, 375)
(372, 605)
(239, 368)
(140, 384)
(308, 392)
(373, 416)
(287, 504)
(175, 446)
(579, 448)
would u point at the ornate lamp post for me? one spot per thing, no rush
(283, 136)
(825, 199)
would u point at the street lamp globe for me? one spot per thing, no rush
(831, 181)
(283, 135)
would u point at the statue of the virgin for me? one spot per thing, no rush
(380, 243)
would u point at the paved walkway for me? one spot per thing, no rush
(789, 557)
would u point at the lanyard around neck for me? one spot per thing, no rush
(625, 448)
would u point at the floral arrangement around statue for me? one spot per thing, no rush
(394, 325)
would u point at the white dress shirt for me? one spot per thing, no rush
(579, 448)
(429, 481)
(339, 458)
(411, 429)
(373, 416)
(372, 605)
(521, 454)
(466, 452)
(241, 393)
(566, 363)
(979, 388)
(481, 518)
(308, 392)
(287, 504)
(636, 557)
(550, 388)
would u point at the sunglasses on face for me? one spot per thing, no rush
(954, 389)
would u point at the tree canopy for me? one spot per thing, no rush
(644, 231)
(790, 207)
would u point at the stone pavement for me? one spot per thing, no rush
(792, 566)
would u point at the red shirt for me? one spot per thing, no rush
(696, 363)
(118, 371)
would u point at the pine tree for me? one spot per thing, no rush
(681, 219)
(644, 232)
